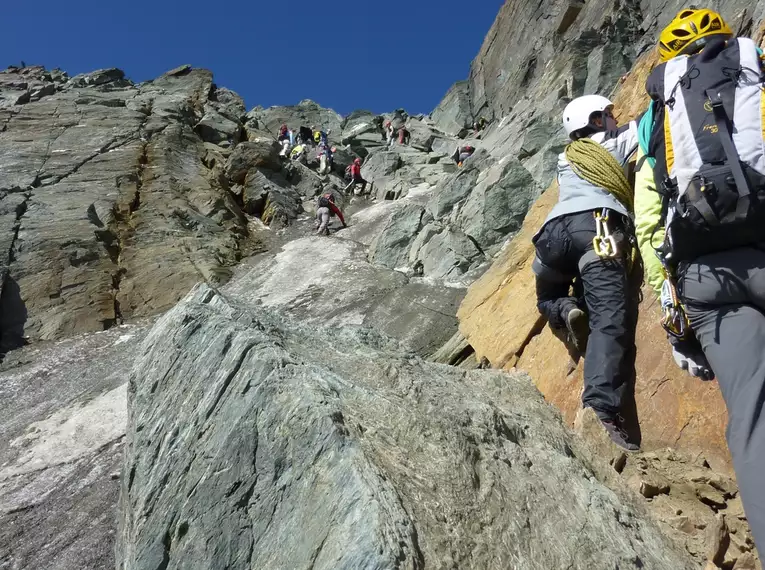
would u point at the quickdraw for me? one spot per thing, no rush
(604, 243)
(674, 319)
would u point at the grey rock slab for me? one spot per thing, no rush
(497, 205)
(381, 164)
(330, 281)
(452, 191)
(421, 135)
(327, 280)
(391, 247)
(367, 223)
(453, 114)
(252, 154)
(215, 127)
(117, 199)
(448, 255)
(61, 449)
(296, 446)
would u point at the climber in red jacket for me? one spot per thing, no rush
(325, 209)
(356, 177)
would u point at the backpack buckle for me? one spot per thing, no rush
(604, 243)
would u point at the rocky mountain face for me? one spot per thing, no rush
(311, 402)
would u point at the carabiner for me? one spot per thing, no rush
(603, 243)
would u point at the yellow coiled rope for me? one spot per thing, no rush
(596, 165)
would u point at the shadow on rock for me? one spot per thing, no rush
(13, 317)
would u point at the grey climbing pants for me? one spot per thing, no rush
(322, 218)
(724, 294)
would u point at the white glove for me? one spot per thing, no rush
(688, 356)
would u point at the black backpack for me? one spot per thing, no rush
(324, 201)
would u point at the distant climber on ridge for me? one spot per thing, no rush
(389, 134)
(703, 236)
(479, 125)
(305, 135)
(403, 136)
(356, 178)
(298, 154)
(462, 153)
(320, 137)
(325, 159)
(286, 140)
(588, 241)
(325, 209)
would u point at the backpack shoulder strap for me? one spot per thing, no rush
(645, 130)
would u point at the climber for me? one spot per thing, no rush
(389, 134)
(325, 209)
(285, 139)
(403, 136)
(587, 241)
(356, 178)
(298, 153)
(320, 137)
(325, 159)
(305, 135)
(700, 223)
(479, 125)
(462, 153)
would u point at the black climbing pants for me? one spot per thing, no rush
(354, 182)
(611, 294)
(724, 296)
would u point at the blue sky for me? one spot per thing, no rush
(371, 54)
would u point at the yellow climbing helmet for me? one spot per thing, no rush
(687, 33)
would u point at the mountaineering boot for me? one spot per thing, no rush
(614, 429)
(578, 328)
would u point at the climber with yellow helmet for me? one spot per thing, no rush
(700, 218)
(587, 242)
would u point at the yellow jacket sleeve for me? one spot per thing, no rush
(647, 218)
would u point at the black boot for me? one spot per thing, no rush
(615, 429)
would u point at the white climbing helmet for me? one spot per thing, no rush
(577, 113)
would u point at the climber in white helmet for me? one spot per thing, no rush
(588, 242)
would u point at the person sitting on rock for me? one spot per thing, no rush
(462, 153)
(588, 240)
(356, 178)
(326, 209)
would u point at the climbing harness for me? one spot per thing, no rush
(604, 243)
